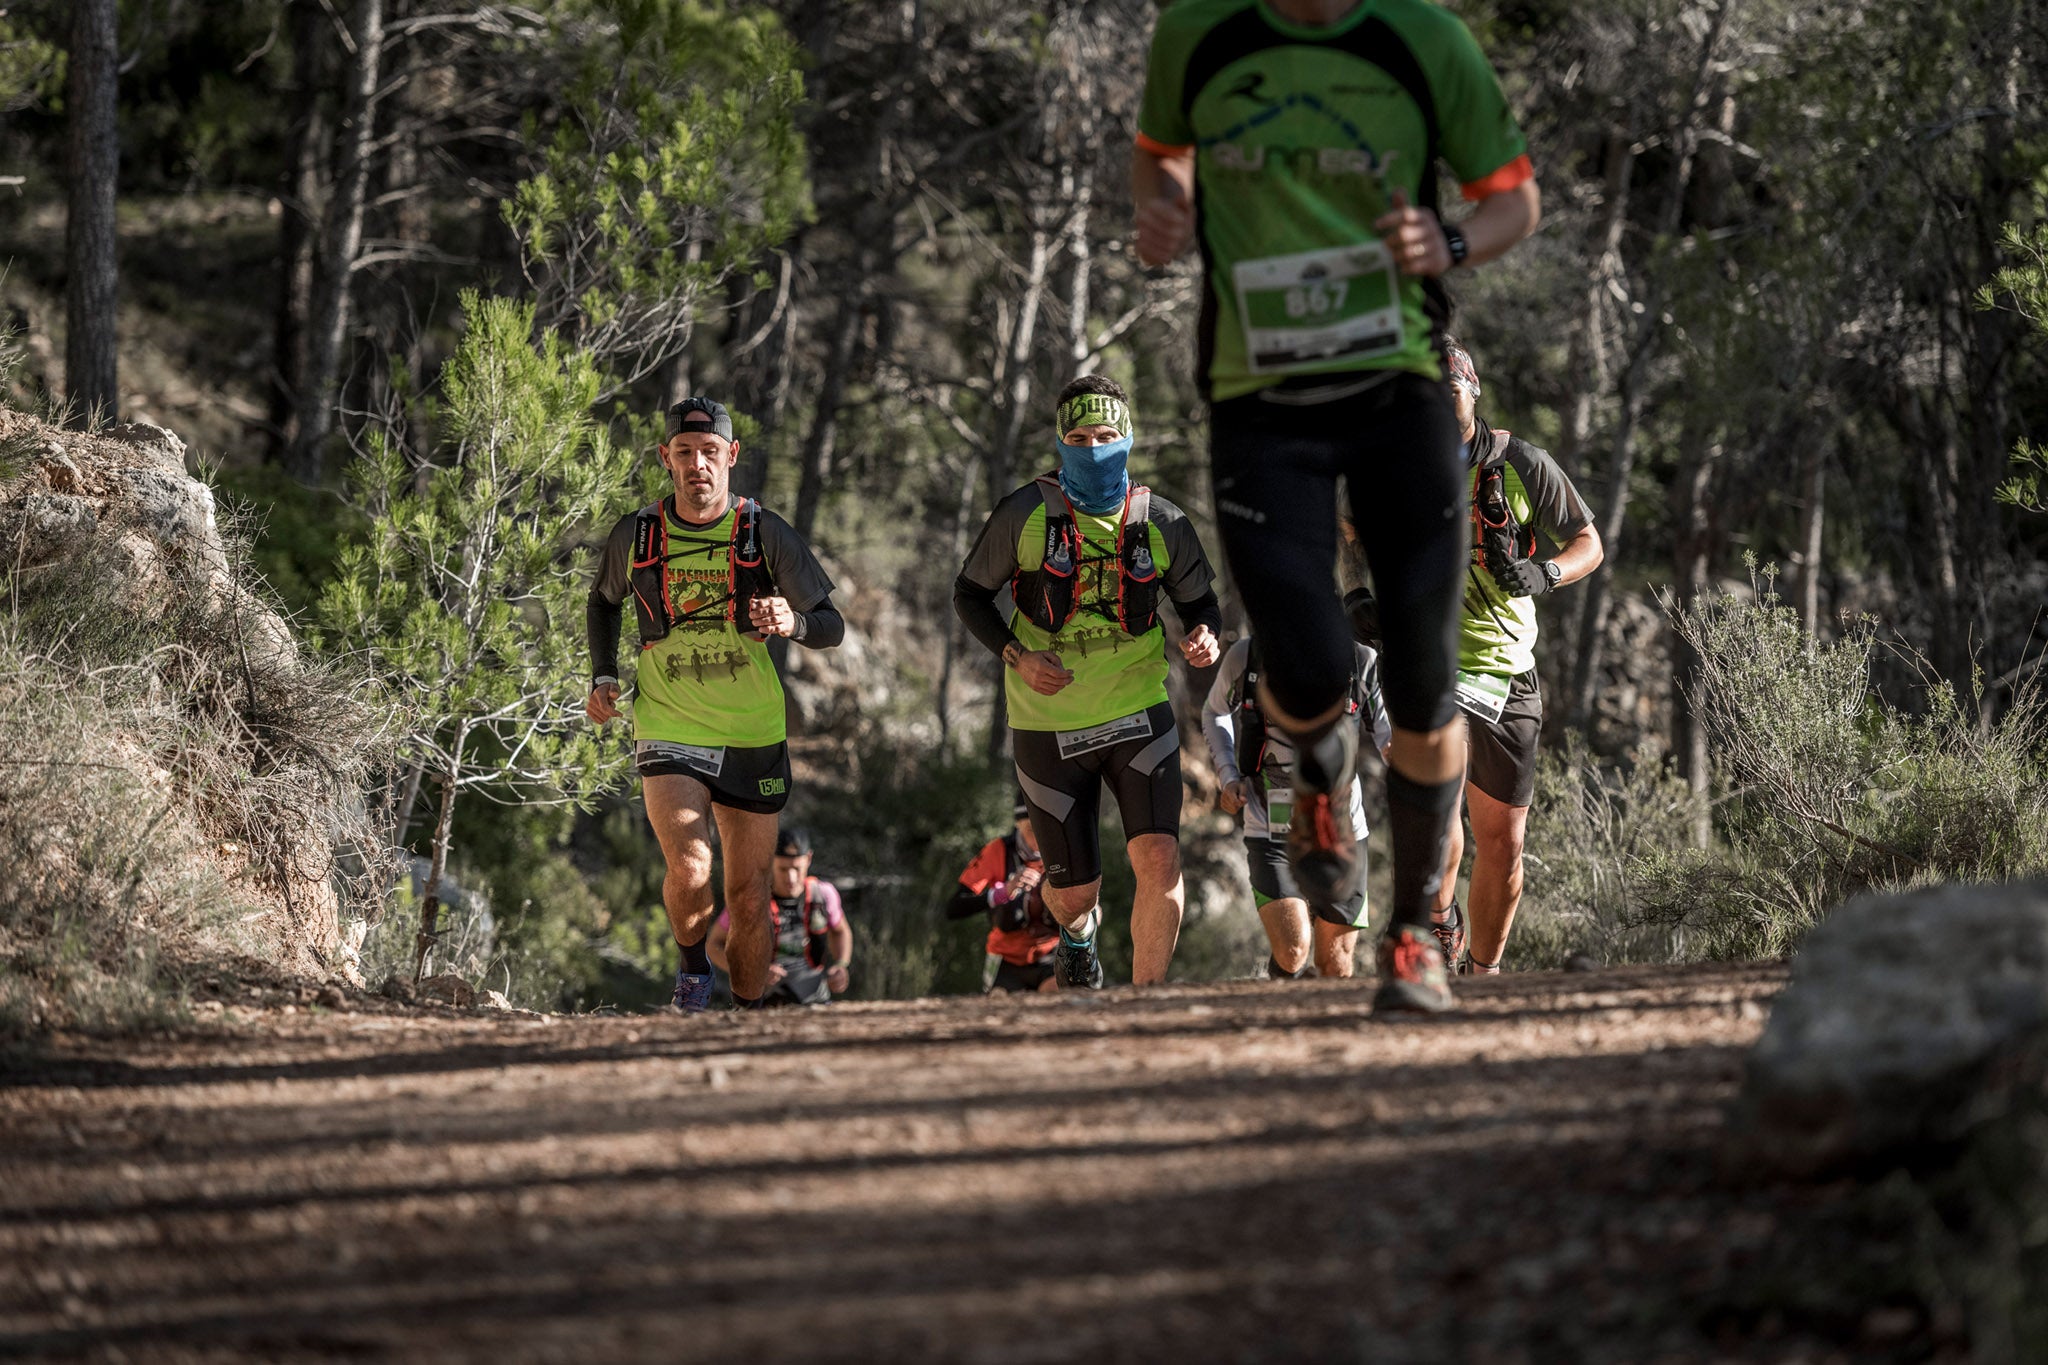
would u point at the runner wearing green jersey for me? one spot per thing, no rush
(1517, 490)
(711, 576)
(1296, 142)
(1087, 556)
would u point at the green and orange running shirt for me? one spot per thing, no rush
(708, 681)
(1300, 136)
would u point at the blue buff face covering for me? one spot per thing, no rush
(1096, 477)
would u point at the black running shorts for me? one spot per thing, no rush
(754, 780)
(1502, 753)
(1273, 880)
(1063, 772)
(1276, 459)
(1011, 977)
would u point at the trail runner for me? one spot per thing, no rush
(1517, 490)
(1254, 766)
(1002, 884)
(1090, 557)
(813, 942)
(710, 575)
(1296, 142)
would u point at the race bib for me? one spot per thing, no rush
(1074, 743)
(709, 761)
(1484, 695)
(1279, 809)
(1317, 306)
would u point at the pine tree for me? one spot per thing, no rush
(465, 594)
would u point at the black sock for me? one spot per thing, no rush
(1419, 814)
(744, 1002)
(1276, 972)
(695, 960)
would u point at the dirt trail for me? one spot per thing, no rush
(1233, 1172)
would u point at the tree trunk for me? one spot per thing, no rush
(963, 517)
(1693, 562)
(1812, 523)
(299, 202)
(1079, 283)
(1620, 469)
(93, 163)
(341, 242)
(1590, 343)
(430, 899)
(1003, 450)
(823, 437)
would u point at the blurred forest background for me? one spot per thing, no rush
(1782, 324)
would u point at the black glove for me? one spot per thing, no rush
(1524, 578)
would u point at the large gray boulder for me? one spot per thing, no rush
(1908, 1021)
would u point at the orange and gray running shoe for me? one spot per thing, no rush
(1450, 936)
(1413, 978)
(1322, 846)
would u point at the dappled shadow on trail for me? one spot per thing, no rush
(1238, 1172)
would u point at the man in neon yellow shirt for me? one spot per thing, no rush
(711, 576)
(1087, 556)
(1517, 490)
(1296, 143)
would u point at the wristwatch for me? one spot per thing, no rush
(1553, 571)
(1012, 652)
(1454, 238)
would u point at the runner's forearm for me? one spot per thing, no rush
(1501, 220)
(976, 608)
(967, 904)
(1579, 556)
(821, 628)
(601, 620)
(1205, 610)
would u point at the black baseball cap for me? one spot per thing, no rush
(698, 414)
(794, 843)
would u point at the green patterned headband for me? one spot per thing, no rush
(1093, 410)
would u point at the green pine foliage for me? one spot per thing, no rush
(464, 591)
(2022, 287)
(675, 162)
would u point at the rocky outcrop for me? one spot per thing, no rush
(1911, 1021)
(114, 519)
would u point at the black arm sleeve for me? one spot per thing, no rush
(1202, 611)
(976, 608)
(824, 627)
(601, 622)
(966, 904)
(608, 588)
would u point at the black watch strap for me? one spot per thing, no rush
(1454, 238)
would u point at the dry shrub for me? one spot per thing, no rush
(178, 784)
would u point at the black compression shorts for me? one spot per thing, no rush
(754, 780)
(1138, 757)
(1502, 753)
(1276, 463)
(1011, 977)
(1272, 878)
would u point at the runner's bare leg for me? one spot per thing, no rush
(1157, 907)
(749, 841)
(679, 809)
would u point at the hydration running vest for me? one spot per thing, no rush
(1047, 596)
(1251, 722)
(747, 575)
(1499, 538)
(817, 924)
